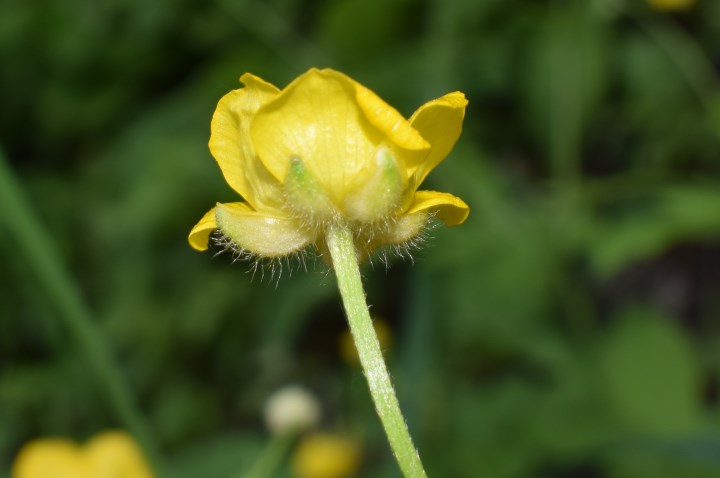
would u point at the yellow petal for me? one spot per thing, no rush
(200, 233)
(231, 147)
(316, 119)
(388, 120)
(260, 234)
(319, 119)
(440, 123)
(116, 454)
(450, 209)
(57, 458)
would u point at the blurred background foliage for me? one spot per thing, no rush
(568, 329)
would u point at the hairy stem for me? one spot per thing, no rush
(342, 251)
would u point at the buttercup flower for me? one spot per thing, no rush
(110, 454)
(322, 151)
(326, 455)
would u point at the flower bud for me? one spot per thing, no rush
(291, 409)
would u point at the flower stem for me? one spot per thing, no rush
(342, 251)
(272, 456)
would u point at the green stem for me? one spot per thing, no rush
(36, 247)
(687, 57)
(270, 458)
(342, 251)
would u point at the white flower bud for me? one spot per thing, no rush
(291, 409)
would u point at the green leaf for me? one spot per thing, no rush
(219, 457)
(566, 78)
(688, 213)
(651, 377)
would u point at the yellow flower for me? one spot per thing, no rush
(325, 455)
(326, 150)
(110, 454)
(671, 5)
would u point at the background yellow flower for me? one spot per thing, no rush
(670, 5)
(326, 455)
(110, 454)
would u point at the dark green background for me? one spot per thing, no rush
(568, 329)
